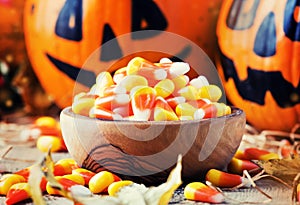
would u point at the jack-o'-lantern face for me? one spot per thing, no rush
(61, 35)
(259, 43)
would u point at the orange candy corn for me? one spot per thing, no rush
(162, 111)
(198, 191)
(17, 193)
(86, 174)
(64, 166)
(45, 142)
(112, 101)
(142, 102)
(222, 179)
(174, 101)
(67, 182)
(259, 154)
(7, 180)
(102, 113)
(83, 103)
(237, 166)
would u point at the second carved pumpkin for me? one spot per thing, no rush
(259, 63)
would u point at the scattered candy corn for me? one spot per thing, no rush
(198, 191)
(259, 154)
(100, 181)
(17, 193)
(223, 179)
(7, 180)
(237, 166)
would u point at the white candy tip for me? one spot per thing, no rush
(165, 60)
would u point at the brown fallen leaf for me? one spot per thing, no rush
(285, 169)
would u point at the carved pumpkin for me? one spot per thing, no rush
(61, 35)
(259, 63)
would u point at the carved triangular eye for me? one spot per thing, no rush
(265, 39)
(240, 17)
(291, 23)
(69, 21)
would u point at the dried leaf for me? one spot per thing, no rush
(34, 181)
(285, 169)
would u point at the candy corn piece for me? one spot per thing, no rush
(7, 180)
(64, 166)
(240, 154)
(113, 90)
(199, 82)
(83, 103)
(199, 103)
(124, 111)
(198, 191)
(162, 111)
(237, 166)
(102, 113)
(119, 75)
(26, 172)
(223, 179)
(114, 187)
(86, 174)
(45, 142)
(135, 64)
(153, 75)
(189, 92)
(177, 69)
(130, 81)
(112, 101)
(17, 193)
(164, 88)
(104, 79)
(99, 182)
(174, 101)
(211, 92)
(259, 154)
(47, 125)
(180, 81)
(66, 182)
(142, 102)
(184, 110)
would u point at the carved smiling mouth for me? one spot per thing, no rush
(254, 88)
(88, 78)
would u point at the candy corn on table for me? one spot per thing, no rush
(17, 152)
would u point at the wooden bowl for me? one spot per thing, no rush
(145, 152)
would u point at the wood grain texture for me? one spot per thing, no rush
(150, 149)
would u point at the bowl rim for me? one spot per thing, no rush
(235, 113)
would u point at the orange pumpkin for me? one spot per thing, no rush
(259, 60)
(61, 35)
(12, 48)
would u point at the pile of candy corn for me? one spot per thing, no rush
(144, 91)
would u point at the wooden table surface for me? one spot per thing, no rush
(17, 153)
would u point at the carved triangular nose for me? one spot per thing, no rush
(110, 49)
